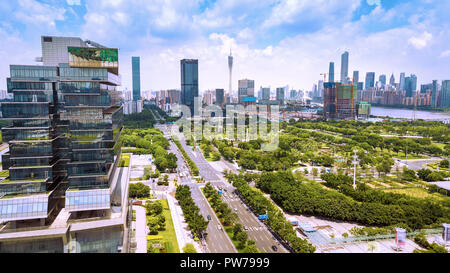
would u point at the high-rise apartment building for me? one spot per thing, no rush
(189, 82)
(344, 67)
(63, 151)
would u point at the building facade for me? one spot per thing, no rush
(63, 142)
(189, 82)
(344, 67)
(136, 74)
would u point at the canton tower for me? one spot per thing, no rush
(230, 67)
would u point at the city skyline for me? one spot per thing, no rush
(273, 43)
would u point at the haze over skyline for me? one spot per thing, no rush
(276, 43)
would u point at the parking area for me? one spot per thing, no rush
(327, 230)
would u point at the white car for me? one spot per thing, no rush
(219, 227)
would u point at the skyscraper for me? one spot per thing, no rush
(370, 80)
(230, 68)
(246, 89)
(266, 93)
(64, 149)
(434, 93)
(408, 87)
(382, 80)
(445, 94)
(355, 77)
(220, 99)
(189, 82)
(392, 80)
(331, 73)
(344, 67)
(413, 82)
(402, 81)
(136, 71)
(280, 95)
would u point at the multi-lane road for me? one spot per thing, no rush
(257, 231)
(217, 241)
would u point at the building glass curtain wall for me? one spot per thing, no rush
(63, 136)
(370, 80)
(136, 71)
(189, 82)
(344, 67)
(331, 73)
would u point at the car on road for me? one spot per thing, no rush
(209, 217)
(245, 228)
(219, 227)
(235, 209)
(274, 248)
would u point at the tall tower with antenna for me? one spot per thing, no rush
(230, 67)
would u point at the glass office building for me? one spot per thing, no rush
(63, 137)
(189, 82)
(136, 74)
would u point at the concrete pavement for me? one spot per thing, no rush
(141, 229)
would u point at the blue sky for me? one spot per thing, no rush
(274, 42)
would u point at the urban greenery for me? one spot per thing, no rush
(196, 223)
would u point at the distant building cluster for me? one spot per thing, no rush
(343, 100)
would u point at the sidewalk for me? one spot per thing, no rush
(181, 227)
(141, 229)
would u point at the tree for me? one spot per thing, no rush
(189, 248)
(162, 222)
(236, 229)
(250, 249)
(315, 172)
(444, 163)
(241, 237)
(408, 174)
(154, 208)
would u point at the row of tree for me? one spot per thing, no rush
(189, 161)
(196, 223)
(365, 205)
(229, 218)
(276, 221)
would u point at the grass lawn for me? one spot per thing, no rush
(401, 155)
(168, 236)
(229, 231)
(418, 193)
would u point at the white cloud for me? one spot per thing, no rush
(445, 54)
(421, 41)
(36, 13)
(73, 2)
(373, 2)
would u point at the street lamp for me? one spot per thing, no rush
(355, 157)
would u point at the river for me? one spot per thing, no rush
(408, 114)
